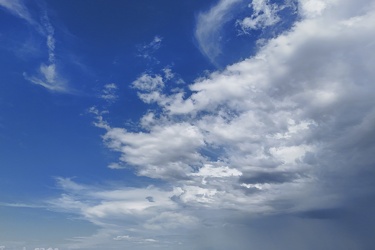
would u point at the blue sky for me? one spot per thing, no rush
(218, 124)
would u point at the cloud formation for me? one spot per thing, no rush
(17, 8)
(210, 25)
(147, 51)
(264, 14)
(48, 75)
(280, 133)
(109, 92)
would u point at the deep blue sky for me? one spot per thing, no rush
(218, 124)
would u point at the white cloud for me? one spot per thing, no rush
(218, 172)
(275, 111)
(155, 154)
(47, 76)
(312, 8)
(148, 83)
(17, 8)
(264, 14)
(123, 214)
(109, 92)
(147, 51)
(209, 27)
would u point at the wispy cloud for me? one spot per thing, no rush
(147, 51)
(209, 28)
(17, 8)
(48, 75)
(109, 92)
(21, 205)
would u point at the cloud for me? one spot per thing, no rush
(17, 8)
(143, 211)
(272, 115)
(109, 92)
(48, 78)
(146, 51)
(148, 83)
(209, 27)
(274, 141)
(21, 205)
(264, 14)
(153, 153)
(48, 75)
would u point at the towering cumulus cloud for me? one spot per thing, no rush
(283, 138)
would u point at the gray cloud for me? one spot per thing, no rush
(270, 177)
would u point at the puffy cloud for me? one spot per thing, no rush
(264, 14)
(156, 154)
(148, 83)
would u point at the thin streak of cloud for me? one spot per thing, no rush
(209, 28)
(48, 75)
(21, 205)
(17, 8)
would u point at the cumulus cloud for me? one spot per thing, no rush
(264, 14)
(282, 132)
(148, 83)
(155, 154)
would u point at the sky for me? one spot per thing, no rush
(208, 125)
